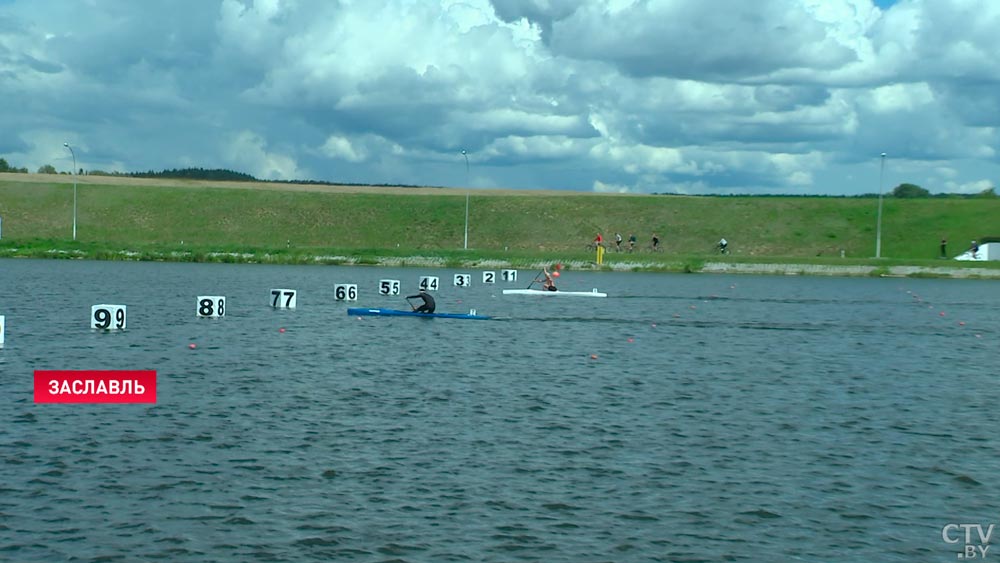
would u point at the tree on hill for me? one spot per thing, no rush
(47, 169)
(4, 167)
(197, 174)
(910, 190)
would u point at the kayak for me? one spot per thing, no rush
(366, 312)
(543, 292)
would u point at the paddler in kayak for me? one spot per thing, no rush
(548, 284)
(428, 306)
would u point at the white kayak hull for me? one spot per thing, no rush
(560, 293)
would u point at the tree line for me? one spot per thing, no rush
(914, 191)
(183, 173)
(4, 167)
(902, 191)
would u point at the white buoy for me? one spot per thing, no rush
(429, 283)
(489, 277)
(2, 327)
(211, 306)
(388, 287)
(508, 275)
(345, 292)
(108, 317)
(463, 280)
(283, 298)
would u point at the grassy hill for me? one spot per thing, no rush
(142, 215)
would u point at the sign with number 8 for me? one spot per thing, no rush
(211, 306)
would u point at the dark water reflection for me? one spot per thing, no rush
(684, 418)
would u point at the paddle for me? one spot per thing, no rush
(412, 308)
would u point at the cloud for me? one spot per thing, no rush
(973, 187)
(601, 187)
(248, 151)
(777, 96)
(727, 40)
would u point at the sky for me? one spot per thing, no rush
(639, 96)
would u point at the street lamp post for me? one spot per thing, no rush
(878, 225)
(74, 187)
(466, 155)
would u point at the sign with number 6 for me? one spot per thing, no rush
(345, 292)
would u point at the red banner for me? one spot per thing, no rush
(95, 386)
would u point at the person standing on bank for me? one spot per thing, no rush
(944, 247)
(428, 306)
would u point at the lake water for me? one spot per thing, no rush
(684, 418)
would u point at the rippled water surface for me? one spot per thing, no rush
(684, 418)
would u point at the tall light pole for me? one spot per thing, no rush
(878, 225)
(74, 187)
(466, 155)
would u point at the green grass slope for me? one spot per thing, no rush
(393, 221)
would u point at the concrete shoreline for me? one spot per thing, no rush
(789, 269)
(851, 271)
(667, 266)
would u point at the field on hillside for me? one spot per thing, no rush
(168, 214)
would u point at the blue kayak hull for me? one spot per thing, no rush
(376, 312)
